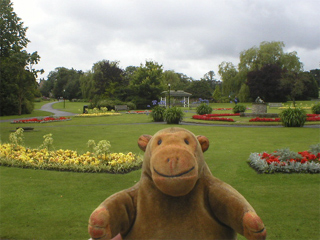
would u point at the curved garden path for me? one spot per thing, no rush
(48, 108)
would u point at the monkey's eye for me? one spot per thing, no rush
(186, 141)
(159, 142)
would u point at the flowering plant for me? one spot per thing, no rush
(208, 118)
(284, 160)
(42, 120)
(310, 117)
(99, 114)
(139, 112)
(257, 119)
(100, 160)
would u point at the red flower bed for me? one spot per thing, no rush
(305, 157)
(310, 117)
(222, 108)
(204, 117)
(257, 119)
(42, 120)
(139, 112)
(221, 114)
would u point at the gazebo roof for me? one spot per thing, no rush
(177, 93)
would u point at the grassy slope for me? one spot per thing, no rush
(56, 205)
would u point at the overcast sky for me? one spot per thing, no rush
(190, 37)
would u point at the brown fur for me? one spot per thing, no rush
(176, 198)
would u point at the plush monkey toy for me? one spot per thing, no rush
(176, 198)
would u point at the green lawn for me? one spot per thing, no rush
(37, 204)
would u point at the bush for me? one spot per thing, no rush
(316, 109)
(173, 115)
(293, 117)
(239, 108)
(109, 104)
(158, 113)
(204, 109)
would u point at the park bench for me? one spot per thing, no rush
(120, 107)
(271, 105)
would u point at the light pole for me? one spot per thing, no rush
(169, 93)
(64, 100)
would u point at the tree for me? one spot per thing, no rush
(268, 53)
(200, 89)
(216, 94)
(299, 86)
(108, 78)
(228, 73)
(17, 75)
(147, 84)
(265, 83)
(244, 93)
(254, 59)
(173, 78)
(87, 85)
(316, 74)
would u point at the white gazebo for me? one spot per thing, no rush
(175, 94)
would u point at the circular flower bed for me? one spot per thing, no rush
(286, 161)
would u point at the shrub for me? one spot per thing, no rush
(293, 117)
(131, 105)
(316, 109)
(158, 113)
(204, 108)
(239, 108)
(173, 115)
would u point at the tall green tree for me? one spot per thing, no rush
(17, 75)
(200, 89)
(228, 73)
(147, 84)
(108, 77)
(266, 84)
(254, 59)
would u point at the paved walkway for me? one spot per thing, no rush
(48, 108)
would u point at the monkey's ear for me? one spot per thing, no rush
(204, 142)
(143, 141)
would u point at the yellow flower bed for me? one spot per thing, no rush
(67, 160)
(98, 114)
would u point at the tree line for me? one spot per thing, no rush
(265, 71)
(138, 84)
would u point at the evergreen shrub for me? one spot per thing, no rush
(204, 108)
(239, 108)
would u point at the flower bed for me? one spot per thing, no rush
(286, 161)
(42, 120)
(218, 109)
(67, 160)
(139, 112)
(310, 117)
(101, 114)
(257, 119)
(221, 114)
(204, 117)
